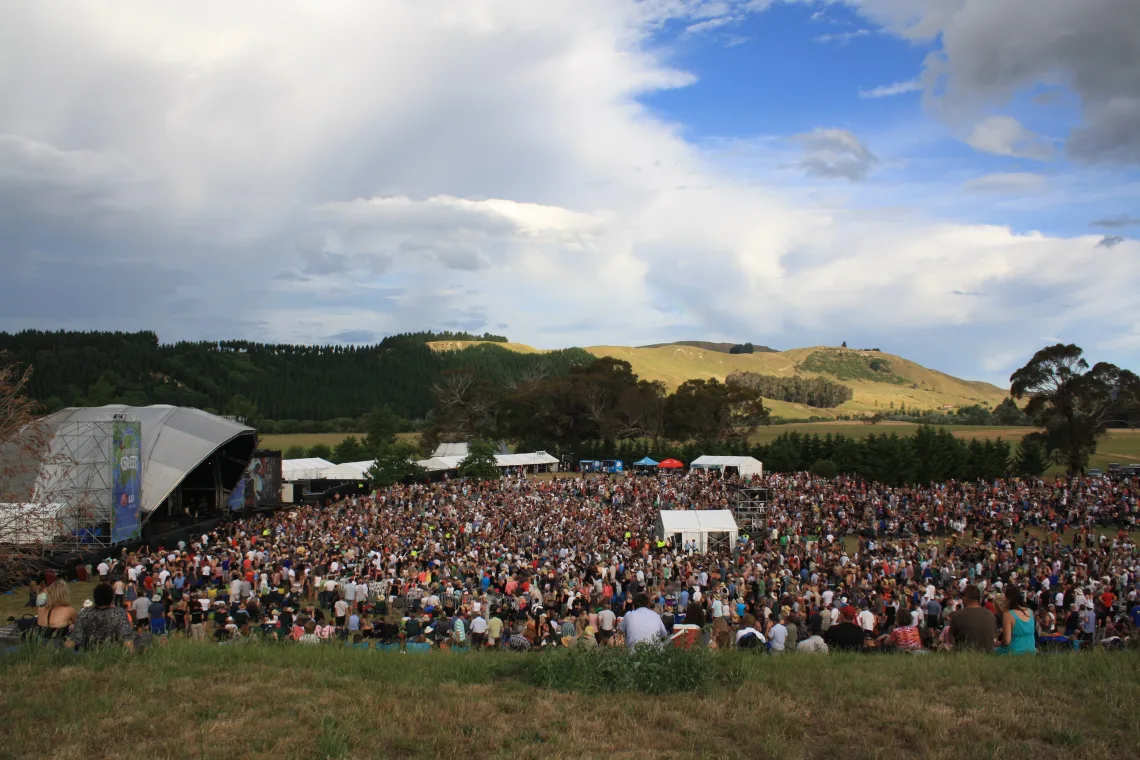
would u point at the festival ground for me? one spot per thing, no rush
(184, 700)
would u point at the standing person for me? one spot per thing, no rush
(157, 616)
(778, 635)
(340, 612)
(479, 629)
(141, 607)
(101, 624)
(494, 629)
(973, 626)
(607, 620)
(642, 625)
(1018, 632)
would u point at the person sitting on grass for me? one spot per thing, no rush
(101, 624)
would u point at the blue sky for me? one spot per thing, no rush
(955, 181)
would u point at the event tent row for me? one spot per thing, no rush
(319, 469)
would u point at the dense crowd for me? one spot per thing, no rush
(526, 563)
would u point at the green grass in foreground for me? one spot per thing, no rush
(287, 701)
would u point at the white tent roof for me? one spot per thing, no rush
(304, 469)
(680, 521)
(348, 471)
(712, 520)
(519, 460)
(746, 465)
(175, 440)
(436, 464)
(450, 450)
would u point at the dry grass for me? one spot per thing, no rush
(265, 701)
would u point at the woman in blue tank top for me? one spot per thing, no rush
(1018, 631)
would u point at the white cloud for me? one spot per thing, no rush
(1006, 136)
(886, 91)
(362, 168)
(842, 37)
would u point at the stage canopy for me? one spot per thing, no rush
(745, 466)
(671, 464)
(174, 441)
(707, 527)
(304, 469)
(646, 462)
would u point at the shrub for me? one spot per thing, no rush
(650, 670)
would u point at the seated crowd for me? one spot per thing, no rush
(526, 564)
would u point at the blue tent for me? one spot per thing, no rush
(647, 462)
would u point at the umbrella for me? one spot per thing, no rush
(670, 464)
(646, 462)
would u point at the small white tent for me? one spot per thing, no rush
(710, 528)
(744, 466)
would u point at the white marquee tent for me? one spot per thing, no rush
(745, 466)
(705, 526)
(304, 469)
(349, 471)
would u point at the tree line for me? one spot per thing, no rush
(283, 387)
(818, 392)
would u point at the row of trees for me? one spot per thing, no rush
(927, 456)
(263, 382)
(601, 400)
(818, 392)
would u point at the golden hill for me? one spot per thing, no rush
(898, 381)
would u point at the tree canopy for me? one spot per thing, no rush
(1073, 402)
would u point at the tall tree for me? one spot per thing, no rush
(480, 464)
(1075, 404)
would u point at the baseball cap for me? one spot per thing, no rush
(848, 611)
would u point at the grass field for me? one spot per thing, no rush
(198, 700)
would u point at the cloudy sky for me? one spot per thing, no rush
(956, 181)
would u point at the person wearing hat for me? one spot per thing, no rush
(156, 613)
(846, 635)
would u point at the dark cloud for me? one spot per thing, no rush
(1110, 241)
(991, 51)
(835, 153)
(1116, 222)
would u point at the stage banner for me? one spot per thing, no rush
(126, 480)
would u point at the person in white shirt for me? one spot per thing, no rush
(643, 625)
(778, 635)
(813, 645)
(103, 569)
(866, 620)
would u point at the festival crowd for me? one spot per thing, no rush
(531, 564)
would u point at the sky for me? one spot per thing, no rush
(953, 181)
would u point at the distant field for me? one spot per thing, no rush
(312, 439)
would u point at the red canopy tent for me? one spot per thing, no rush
(670, 464)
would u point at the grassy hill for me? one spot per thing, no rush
(328, 701)
(877, 379)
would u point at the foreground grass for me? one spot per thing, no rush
(260, 700)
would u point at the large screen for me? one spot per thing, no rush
(260, 486)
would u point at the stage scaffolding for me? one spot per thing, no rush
(75, 482)
(750, 508)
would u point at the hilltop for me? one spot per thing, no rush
(877, 379)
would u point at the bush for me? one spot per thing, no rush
(650, 670)
(825, 468)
